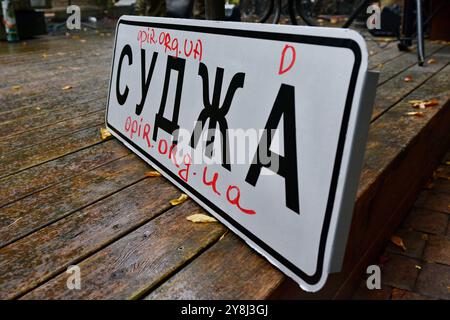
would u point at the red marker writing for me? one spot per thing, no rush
(283, 69)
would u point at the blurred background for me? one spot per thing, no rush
(37, 17)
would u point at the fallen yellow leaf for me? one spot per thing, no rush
(180, 199)
(65, 88)
(223, 236)
(398, 242)
(16, 87)
(431, 61)
(418, 267)
(415, 114)
(104, 133)
(423, 104)
(201, 218)
(152, 174)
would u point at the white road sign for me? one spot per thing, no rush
(262, 125)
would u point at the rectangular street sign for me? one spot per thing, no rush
(262, 125)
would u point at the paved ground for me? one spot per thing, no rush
(421, 270)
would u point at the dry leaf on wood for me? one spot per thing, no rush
(104, 133)
(423, 104)
(408, 79)
(180, 199)
(431, 61)
(16, 87)
(152, 174)
(223, 236)
(201, 218)
(398, 242)
(415, 114)
(65, 88)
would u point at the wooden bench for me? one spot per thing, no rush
(68, 197)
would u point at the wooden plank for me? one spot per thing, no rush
(46, 42)
(48, 105)
(228, 270)
(391, 68)
(47, 87)
(129, 267)
(79, 89)
(31, 213)
(29, 83)
(43, 152)
(384, 56)
(27, 51)
(44, 254)
(44, 134)
(396, 88)
(51, 62)
(52, 73)
(24, 183)
(375, 47)
(29, 122)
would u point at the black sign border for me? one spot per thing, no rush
(286, 37)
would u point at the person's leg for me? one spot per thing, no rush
(141, 7)
(215, 9)
(199, 9)
(155, 8)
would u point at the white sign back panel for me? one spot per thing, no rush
(305, 83)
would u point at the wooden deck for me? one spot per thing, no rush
(68, 197)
